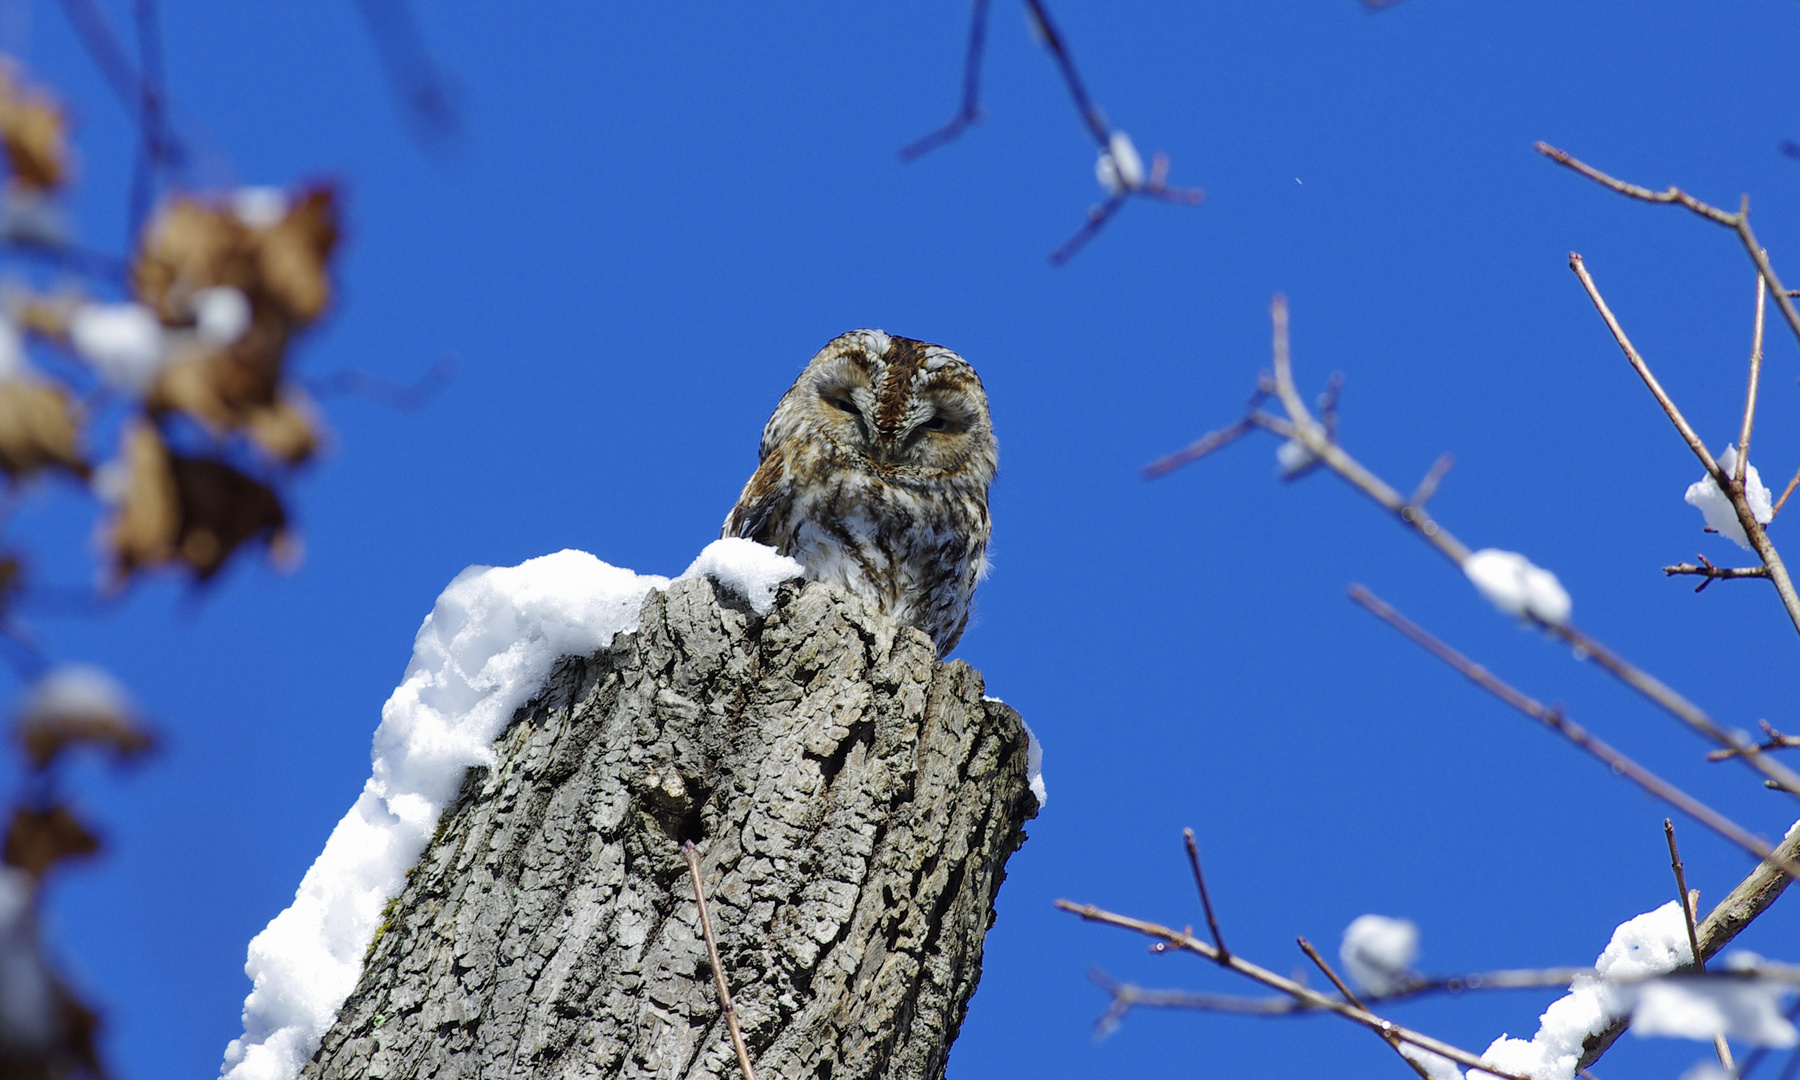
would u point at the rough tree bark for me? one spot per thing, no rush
(854, 802)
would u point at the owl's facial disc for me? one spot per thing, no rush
(843, 400)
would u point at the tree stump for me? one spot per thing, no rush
(853, 800)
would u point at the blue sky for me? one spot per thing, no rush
(655, 215)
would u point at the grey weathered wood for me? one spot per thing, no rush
(854, 802)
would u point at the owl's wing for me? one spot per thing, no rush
(762, 510)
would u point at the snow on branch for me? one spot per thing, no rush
(1578, 1028)
(1646, 976)
(1296, 425)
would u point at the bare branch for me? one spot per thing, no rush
(426, 95)
(1433, 477)
(1777, 741)
(1688, 434)
(1311, 997)
(1098, 216)
(407, 398)
(1588, 648)
(1524, 979)
(1091, 116)
(970, 110)
(692, 855)
(1212, 922)
(1712, 573)
(1687, 898)
(1387, 1037)
(1198, 449)
(1733, 490)
(1575, 733)
(1301, 427)
(1784, 497)
(1756, 350)
(1738, 223)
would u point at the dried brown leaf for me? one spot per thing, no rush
(188, 509)
(222, 509)
(33, 132)
(293, 255)
(147, 523)
(287, 430)
(45, 739)
(39, 839)
(190, 244)
(77, 705)
(39, 428)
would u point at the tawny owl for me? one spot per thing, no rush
(874, 475)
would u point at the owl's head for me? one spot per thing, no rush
(903, 409)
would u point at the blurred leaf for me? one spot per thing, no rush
(33, 131)
(39, 428)
(38, 839)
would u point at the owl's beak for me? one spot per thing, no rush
(886, 447)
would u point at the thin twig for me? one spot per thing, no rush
(1777, 741)
(1575, 733)
(1756, 350)
(1687, 900)
(152, 146)
(1387, 1037)
(1705, 569)
(1301, 427)
(1091, 116)
(1093, 121)
(427, 97)
(692, 855)
(1212, 922)
(401, 397)
(1588, 648)
(1524, 979)
(1747, 901)
(1100, 214)
(970, 110)
(103, 47)
(1784, 496)
(1738, 223)
(1429, 485)
(1198, 449)
(1753, 529)
(1178, 939)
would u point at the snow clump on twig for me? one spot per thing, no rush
(1515, 586)
(1721, 516)
(1379, 952)
(1120, 168)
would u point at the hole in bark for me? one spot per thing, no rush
(823, 1072)
(680, 817)
(863, 732)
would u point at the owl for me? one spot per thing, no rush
(874, 475)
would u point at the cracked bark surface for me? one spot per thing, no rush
(854, 802)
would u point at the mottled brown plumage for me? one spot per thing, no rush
(874, 475)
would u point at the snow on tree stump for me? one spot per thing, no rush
(853, 800)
